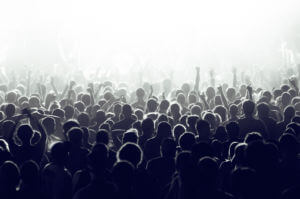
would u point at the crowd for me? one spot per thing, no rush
(107, 141)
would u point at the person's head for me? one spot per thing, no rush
(130, 152)
(97, 158)
(192, 98)
(233, 110)
(222, 111)
(69, 112)
(268, 96)
(211, 119)
(168, 148)
(49, 124)
(183, 163)
(210, 92)
(203, 129)
(221, 134)
(30, 172)
(34, 102)
(207, 170)
(164, 105)
(59, 113)
(139, 114)
(164, 130)
(86, 99)
(244, 182)
(127, 111)
(25, 133)
(70, 124)
(286, 98)
(288, 146)
(263, 110)
(148, 127)
(175, 109)
(152, 105)
(83, 119)
(191, 121)
(122, 173)
(10, 110)
(178, 130)
(284, 88)
(181, 99)
(289, 113)
(130, 135)
(9, 176)
(196, 110)
(59, 153)
(233, 130)
(248, 108)
(75, 135)
(254, 136)
(185, 88)
(231, 94)
(186, 141)
(140, 93)
(79, 106)
(102, 136)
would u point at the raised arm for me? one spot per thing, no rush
(250, 90)
(53, 86)
(293, 83)
(234, 83)
(91, 92)
(224, 100)
(202, 97)
(151, 92)
(196, 88)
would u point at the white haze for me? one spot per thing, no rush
(155, 37)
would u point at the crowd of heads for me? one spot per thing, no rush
(104, 140)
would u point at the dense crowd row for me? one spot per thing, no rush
(107, 142)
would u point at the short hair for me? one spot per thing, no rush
(130, 152)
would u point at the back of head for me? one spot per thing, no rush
(186, 141)
(178, 130)
(97, 158)
(59, 153)
(168, 148)
(70, 124)
(69, 111)
(10, 110)
(233, 130)
(203, 129)
(130, 135)
(9, 175)
(221, 110)
(75, 135)
(29, 172)
(102, 137)
(164, 105)
(164, 130)
(148, 125)
(122, 172)
(25, 133)
(192, 120)
(130, 152)
(253, 136)
(289, 113)
(83, 119)
(221, 134)
(248, 107)
(126, 110)
(263, 110)
(140, 93)
(207, 169)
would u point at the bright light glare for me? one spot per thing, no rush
(139, 35)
